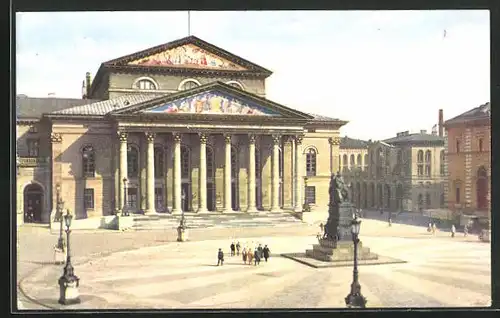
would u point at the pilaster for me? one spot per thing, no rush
(288, 173)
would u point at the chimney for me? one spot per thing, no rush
(441, 123)
(84, 90)
(88, 83)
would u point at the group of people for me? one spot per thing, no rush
(247, 254)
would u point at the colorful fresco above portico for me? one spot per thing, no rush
(187, 55)
(213, 102)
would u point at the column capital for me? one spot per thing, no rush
(252, 138)
(203, 138)
(122, 135)
(299, 139)
(276, 139)
(55, 137)
(150, 136)
(177, 137)
(334, 141)
(227, 138)
(287, 138)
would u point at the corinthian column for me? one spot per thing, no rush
(298, 173)
(123, 168)
(275, 198)
(227, 174)
(202, 207)
(251, 174)
(150, 173)
(177, 174)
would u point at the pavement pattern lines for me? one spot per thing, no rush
(182, 276)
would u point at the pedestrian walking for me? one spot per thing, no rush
(232, 247)
(466, 230)
(390, 221)
(249, 256)
(453, 230)
(266, 252)
(429, 228)
(260, 250)
(256, 256)
(238, 247)
(220, 257)
(433, 228)
(244, 254)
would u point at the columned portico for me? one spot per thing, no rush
(150, 175)
(275, 204)
(298, 173)
(227, 174)
(123, 168)
(177, 192)
(202, 207)
(251, 174)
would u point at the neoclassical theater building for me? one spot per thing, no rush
(183, 126)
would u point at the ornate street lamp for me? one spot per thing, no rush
(125, 204)
(59, 216)
(354, 298)
(68, 282)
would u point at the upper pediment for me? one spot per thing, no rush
(190, 53)
(214, 99)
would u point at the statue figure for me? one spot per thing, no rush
(338, 194)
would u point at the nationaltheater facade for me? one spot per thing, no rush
(183, 126)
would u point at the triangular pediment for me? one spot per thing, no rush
(188, 53)
(214, 99)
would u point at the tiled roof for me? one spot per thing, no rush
(35, 107)
(480, 112)
(414, 138)
(349, 143)
(101, 108)
(321, 117)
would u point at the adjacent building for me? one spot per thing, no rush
(468, 153)
(183, 126)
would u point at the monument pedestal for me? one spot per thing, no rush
(326, 251)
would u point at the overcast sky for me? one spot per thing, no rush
(383, 71)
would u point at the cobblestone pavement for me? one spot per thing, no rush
(440, 271)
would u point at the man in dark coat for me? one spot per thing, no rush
(266, 252)
(220, 257)
(256, 256)
(232, 247)
(238, 247)
(259, 249)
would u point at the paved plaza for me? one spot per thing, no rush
(151, 270)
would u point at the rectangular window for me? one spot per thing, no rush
(33, 147)
(89, 199)
(311, 194)
(132, 197)
(428, 170)
(457, 195)
(159, 199)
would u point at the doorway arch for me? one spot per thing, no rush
(33, 203)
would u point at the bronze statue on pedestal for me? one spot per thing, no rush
(338, 194)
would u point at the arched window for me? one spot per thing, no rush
(352, 161)
(420, 161)
(480, 144)
(145, 84)
(132, 162)
(185, 162)
(258, 168)
(190, 84)
(482, 188)
(457, 146)
(345, 163)
(359, 163)
(311, 162)
(427, 200)
(210, 163)
(88, 161)
(366, 162)
(441, 163)
(158, 155)
(428, 160)
(235, 168)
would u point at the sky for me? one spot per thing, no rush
(382, 71)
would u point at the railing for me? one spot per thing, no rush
(33, 161)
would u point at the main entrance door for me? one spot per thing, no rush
(234, 196)
(210, 196)
(33, 203)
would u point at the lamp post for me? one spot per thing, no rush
(59, 214)
(181, 229)
(355, 298)
(68, 282)
(125, 204)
